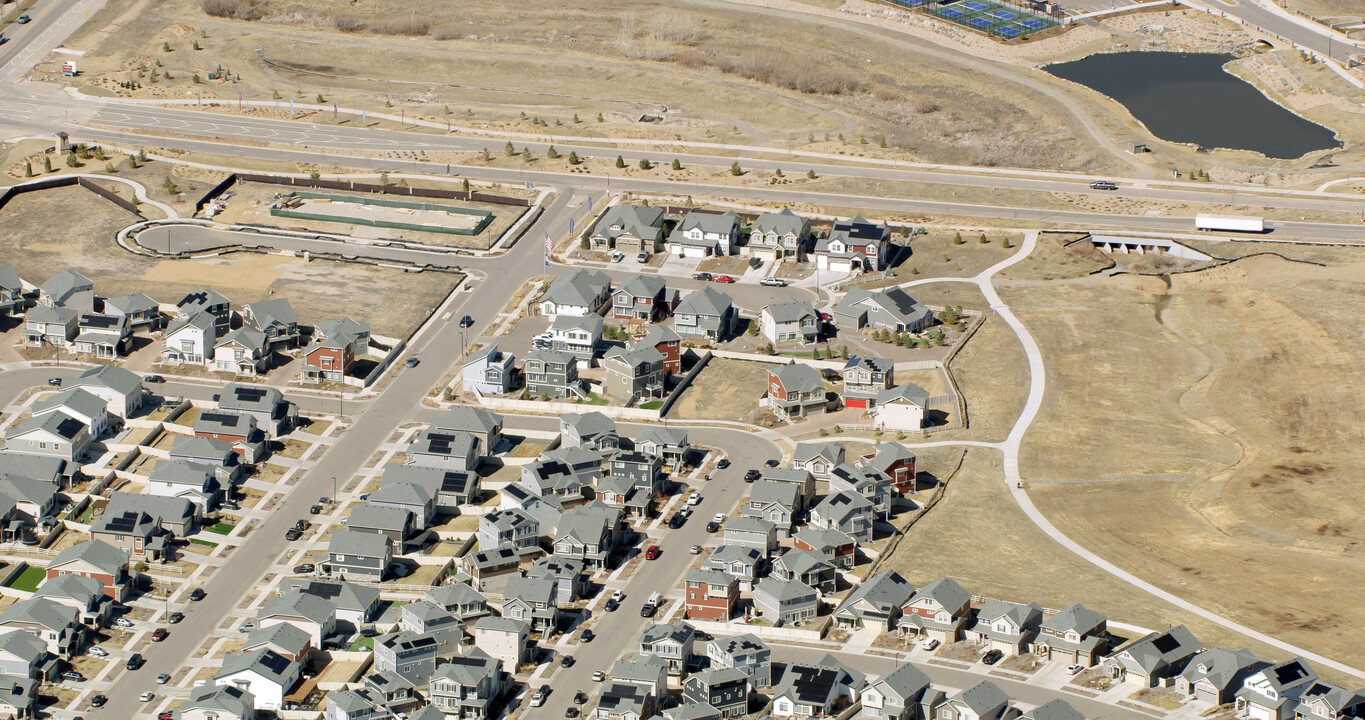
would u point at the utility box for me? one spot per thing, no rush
(69, 68)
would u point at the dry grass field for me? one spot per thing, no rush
(724, 390)
(1206, 436)
(72, 228)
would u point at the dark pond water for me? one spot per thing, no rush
(1191, 99)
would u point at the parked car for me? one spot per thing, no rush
(695, 550)
(586, 635)
(292, 534)
(247, 626)
(466, 321)
(146, 696)
(1103, 185)
(598, 676)
(134, 661)
(304, 568)
(301, 524)
(154, 379)
(160, 634)
(174, 618)
(929, 644)
(538, 697)
(612, 605)
(98, 651)
(166, 715)
(197, 594)
(412, 362)
(773, 282)
(701, 276)
(694, 498)
(642, 256)
(992, 657)
(653, 552)
(723, 279)
(723, 463)
(123, 622)
(73, 675)
(24, 20)
(315, 510)
(752, 475)
(712, 526)
(580, 698)
(54, 382)
(647, 610)
(617, 256)
(566, 661)
(773, 462)
(571, 712)
(676, 521)
(618, 596)
(1074, 669)
(98, 701)
(162, 679)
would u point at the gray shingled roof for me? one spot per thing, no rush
(790, 309)
(263, 661)
(227, 699)
(296, 603)
(283, 635)
(982, 697)
(102, 555)
(1054, 710)
(908, 392)
(706, 301)
(469, 419)
(347, 542)
(642, 221)
(782, 222)
(799, 377)
(579, 289)
(946, 592)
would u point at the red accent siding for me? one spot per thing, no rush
(855, 402)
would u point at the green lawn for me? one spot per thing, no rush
(362, 644)
(206, 543)
(28, 579)
(593, 399)
(222, 528)
(85, 516)
(652, 405)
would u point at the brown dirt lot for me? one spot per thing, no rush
(1205, 437)
(72, 228)
(724, 390)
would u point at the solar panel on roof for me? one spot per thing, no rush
(123, 523)
(276, 663)
(1166, 643)
(250, 393)
(69, 427)
(227, 419)
(99, 321)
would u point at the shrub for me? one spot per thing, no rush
(677, 165)
(573, 158)
(348, 23)
(412, 26)
(735, 169)
(620, 161)
(644, 164)
(235, 9)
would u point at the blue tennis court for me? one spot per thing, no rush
(974, 6)
(980, 22)
(1008, 32)
(1033, 24)
(1003, 15)
(950, 13)
(1003, 19)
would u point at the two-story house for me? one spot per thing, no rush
(552, 374)
(749, 531)
(54, 435)
(838, 548)
(777, 502)
(77, 403)
(273, 413)
(275, 318)
(872, 484)
(208, 301)
(490, 371)
(706, 314)
(897, 462)
(458, 599)
(877, 602)
(242, 352)
(1076, 636)
(1214, 675)
(982, 701)
(815, 689)
(513, 527)
(1155, 659)
(47, 325)
(782, 236)
(571, 582)
(891, 309)
(939, 610)
(745, 564)
(589, 533)
(901, 408)
(819, 459)
(901, 694)
(865, 377)
(103, 336)
(263, 673)
(808, 567)
(725, 689)
(577, 335)
(504, 639)
(846, 512)
(99, 560)
(786, 602)
(412, 656)
(670, 445)
(854, 245)
(674, 643)
(791, 320)
(1273, 692)
(795, 390)
(634, 374)
(121, 389)
(11, 290)
(532, 600)
(58, 626)
(629, 228)
(579, 293)
(137, 310)
(1006, 626)
(467, 686)
(190, 340)
(703, 233)
(744, 652)
(643, 298)
(591, 430)
(65, 289)
(327, 358)
(710, 595)
(358, 556)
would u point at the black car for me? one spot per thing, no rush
(723, 463)
(301, 524)
(580, 698)
(587, 635)
(154, 379)
(54, 382)
(752, 475)
(571, 712)
(612, 605)
(676, 521)
(197, 594)
(566, 661)
(304, 568)
(98, 701)
(712, 526)
(466, 321)
(175, 617)
(134, 661)
(772, 463)
(992, 657)
(315, 510)
(702, 276)
(292, 534)
(647, 610)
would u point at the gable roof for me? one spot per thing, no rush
(172, 510)
(296, 603)
(201, 299)
(656, 334)
(130, 304)
(1221, 667)
(349, 542)
(344, 595)
(103, 556)
(245, 336)
(9, 278)
(677, 631)
(379, 517)
(466, 418)
(771, 491)
(905, 682)
(785, 590)
(228, 699)
(647, 286)
(894, 302)
(833, 453)
(946, 592)
(264, 662)
(82, 589)
(1054, 710)
(1076, 618)
(798, 377)
(55, 423)
(43, 612)
(642, 221)
(1162, 648)
(906, 392)
(706, 301)
(284, 636)
(782, 222)
(200, 320)
(982, 697)
(468, 669)
(267, 312)
(884, 591)
(580, 288)
(118, 379)
(790, 309)
(710, 222)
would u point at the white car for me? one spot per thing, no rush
(99, 652)
(598, 676)
(719, 518)
(929, 644)
(1074, 669)
(694, 499)
(696, 550)
(617, 256)
(123, 622)
(146, 696)
(538, 698)
(618, 596)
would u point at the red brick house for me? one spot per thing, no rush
(898, 462)
(328, 359)
(99, 560)
(795, 389)
(838, 547)
(711, 595)
(667, 342)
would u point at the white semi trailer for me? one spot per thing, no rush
(1229, 223)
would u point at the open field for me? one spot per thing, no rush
(1205, 436)
(724, 390)
(71, 228)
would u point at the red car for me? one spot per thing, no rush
(166, 716)
(653, 552)
(159, 634)
(723, 279)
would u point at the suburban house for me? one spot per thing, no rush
(897, 462)
(711, 595)
(777, 502)
(46, 325)
(242, 352)
(275, 318)
(467, 686)
(754, 532)
(725, 689)
(782, 236)
(212, 303)
(328, 358)
(490, 569)
(190, 340)
(58, 626)
(99, 560)
(449, 488)
(630, 229)
(746, 653)
(939, 610)
(643, 297)
(104, 336)
(579, 293)
(218, 702)
(571, 583)
(815, 689)
(76, 403)
(901, 694)
(531, 600)
(786, 602)
(1053, 710)
(1214, 675)
(357, 332)
(282, 638)
(268, 677)
(668, 444)
(398, 491)
(703, 233)
(589, 533)
(490, 371)
(353, 604)
(120, 388)
(458, 599)
(62, 288)
(623, 701)
(552, 374)
(176, 515)
(891, 309)
(877, 602)
(1271, 693)
(273, 414)
(424, 618)
(1155, 659)
(846, 512)
(854, 245)
(901, 408)
(577, 335)
(865, 377)
(357, 556)
(1006, 626)
(808, 567)
(411, 656)
(25, 655)
(1076, 635)
(436, 448)
(673, 643)
(391, 522)
(85, 595)
(646, 672)
(54, 435)
(513, 527)
(819, 459)
(485, 426)
(706, 313)
(634, 374)
(11, 290)
(795, 389)
(836, 547)
(666, 340)
(229, 427)
(137, 310)
(195, 482)
(591, 430)
(217, 455)
(553, 478)
(313, 615)
(872, 484)
(508, 641)
(792, 320)
(982, 701)
(745, 564)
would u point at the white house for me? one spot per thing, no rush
(263, 673)
(79, 404)
(189, 341)
(121, 389)
(901, 408)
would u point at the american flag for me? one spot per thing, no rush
(549, 244)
